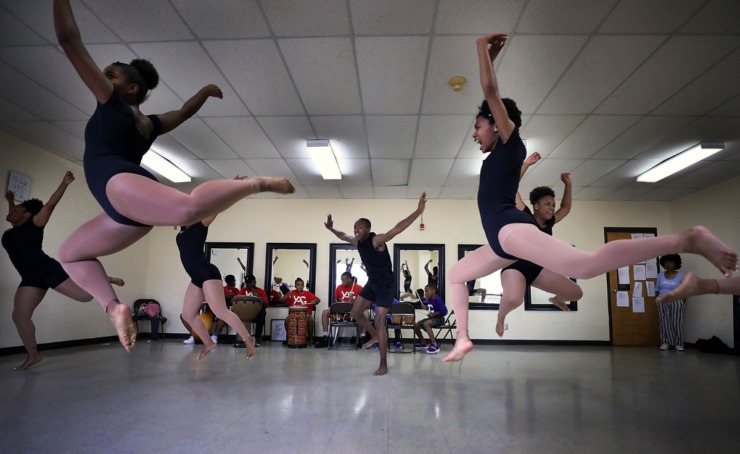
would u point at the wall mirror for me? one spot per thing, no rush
(232, 258)
(344, 257)
(537, 300)
(289, 261)
(484, 292)
(416, 256)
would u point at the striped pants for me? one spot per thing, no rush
(671, 322)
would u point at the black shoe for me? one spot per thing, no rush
(322, 343)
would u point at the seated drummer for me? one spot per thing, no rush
(435, 317)
(299, 296)
(346, 292)
(230, 291)
(251, 289)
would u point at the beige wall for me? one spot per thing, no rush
(152, 268)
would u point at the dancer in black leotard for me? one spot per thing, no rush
(516, 277)
(116, 138)
(513, 234)
(381, 285)
(38, 271)
(205, 283)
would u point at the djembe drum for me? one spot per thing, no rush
(247, 308)
(297, 327)
(207, 316)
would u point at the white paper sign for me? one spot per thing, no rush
(649, 235)
(651, 269)
(623, 299)
(624, 275)
(651, 289)
(639, 272)
(637, 291)
(638, 304)
(637, 236)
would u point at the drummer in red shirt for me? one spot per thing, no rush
(301, 297)
(346, 292)
(251, 289)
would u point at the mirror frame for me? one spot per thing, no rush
(210, 245)
(439, 247)
(271, 247)
(529, 305)
(461, 250)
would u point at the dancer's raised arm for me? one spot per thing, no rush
(489, 47)
(567, 201)
(43, 216)
(175, 118)
(329, 224)
(381, 238)
(68, 36)
(528, 162)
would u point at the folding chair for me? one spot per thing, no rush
(338, 320)
(447, 326)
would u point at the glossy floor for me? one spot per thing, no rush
(509, 399)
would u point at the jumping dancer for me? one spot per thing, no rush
(381, 285)
(516, 277)
(38, 271)
(513, 234)
(116, 138)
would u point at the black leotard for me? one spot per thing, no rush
(499, 181)
(190, 243)
(379, 288)
(113, 145)
(530, 270)
(37, 269)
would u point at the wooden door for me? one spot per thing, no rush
(627, 327)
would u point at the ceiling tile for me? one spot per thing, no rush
(141, 20)
(547, 172)
(259, 78)
(592, 135)
(232, 19)
(200, 170)
(414, 192)
(12, 112)
(324, 192)
(391, 136)
(273, 167)
(391, 17)
(390, 172)
(452, 56)
(429, 171)
(663, 194)
(167, 146)
(624, 174)
(457, 192)
(477, 16)
(201, 140)
(390, 192)
(355, 172)
(357, 192)
(229, 168)
(288, 134)
(307, 172)
(464, 172)
(629, 193)
(346, 133)
(323, 69)
(439, 135)
(49, 137)
(593, 169)
(717, 16)
(307, 17)
(641, 136)
(649, 16)
(244, 136)
(545, 132)
(563, 16)
(14, 33)
(391, 73)
(591, 193)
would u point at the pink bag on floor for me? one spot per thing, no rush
(150, 309)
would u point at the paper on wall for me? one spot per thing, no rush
(637, 236)
(651, 269)
(650, 289)
(623, 299)
(624, 275)
(639, 272)
(638, 304)
(637, 291)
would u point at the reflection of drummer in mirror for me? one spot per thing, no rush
(346, 292)
(299, 296)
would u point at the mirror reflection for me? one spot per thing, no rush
(232, 258)
(286, 262)
(416, 266)
(484, 292)
(345, 259)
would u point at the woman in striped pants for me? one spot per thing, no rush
(670, 311)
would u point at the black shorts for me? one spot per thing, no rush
(529, 270)
(203, 272)
(379, 293)
(49, 274)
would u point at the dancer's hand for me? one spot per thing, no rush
(565, 177)
(329, 224)
(238, 177)
(10, 196)
(532, 159)
(422, 202)
(69, 177)
(213, 91)
(494, 42)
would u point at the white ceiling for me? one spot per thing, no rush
(608, 88)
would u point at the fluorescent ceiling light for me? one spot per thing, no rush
(323, 156)
(164, 167)
(681, 161)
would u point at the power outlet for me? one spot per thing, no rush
(506, 327)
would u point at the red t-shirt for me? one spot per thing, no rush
(345, 294)
(301, 299)
(230, 290)
(258, 292)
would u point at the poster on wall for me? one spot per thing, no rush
(20, 185)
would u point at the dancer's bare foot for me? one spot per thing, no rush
(382, 370)
(462, 347)
(500, 327)
(207, 349)
(251, 346)
(690, 286)
(120, 316)
(116, 281)
(562, 305)
(279, 185)
(369, 344)
(30, 361)
(700, 240)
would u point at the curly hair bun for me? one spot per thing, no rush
(147, 71)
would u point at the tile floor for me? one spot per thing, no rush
(500, 399)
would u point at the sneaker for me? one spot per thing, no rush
(679, 348)
(664, 346)
(214, 338)
(433, 348)
(398, 345)
(257, 344)
(190, 340)
(421, 346)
